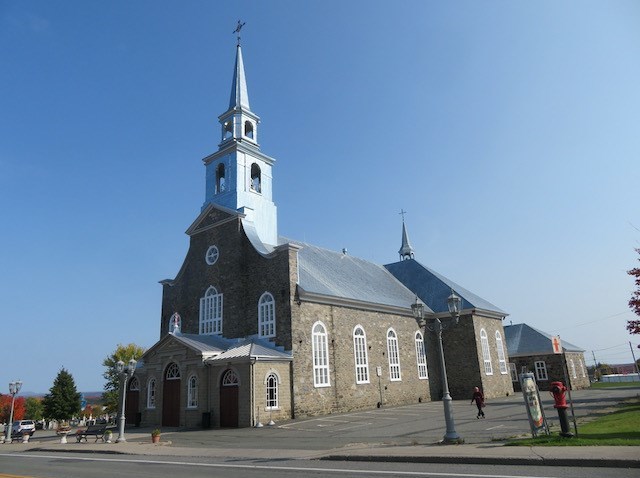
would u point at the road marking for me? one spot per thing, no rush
(493, 428)
(266, 467)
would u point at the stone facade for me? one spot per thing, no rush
(554, 365)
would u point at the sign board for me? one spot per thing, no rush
(557, 345)
(531, 395)
(379, 371)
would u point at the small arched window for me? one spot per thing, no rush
(192, 392)
(173, 372)
(211, 312)
(394, 356)
(272, 391)
(134, 384)
(266, 316)
(486, 355)
(320, 351)
(248, 129)
(256, 178)
(227, 130)
(502, 361)
(220, 179)
(361, 356)
(230, 379)
(421, 357)
(151, 393)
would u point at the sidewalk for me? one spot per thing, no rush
(489, 453)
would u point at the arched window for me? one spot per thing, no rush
(581, 362)
(134, 384)
(486, 355)
(421, 357)
(151, 393)
(248, 129)
(256, 178)
(573, 368)
(361, 356)
(227, 130)
(272, 391)
(175, 324)
(502, 361)
(230, 379)
(266, 316)
(173, 372)
(192, 392)
(394, 356)
(320, 350)
(211, 312)
(220, 179)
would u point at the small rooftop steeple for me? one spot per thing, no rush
(406, 251)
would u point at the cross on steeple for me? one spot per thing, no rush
(402, 213)
(238, 28)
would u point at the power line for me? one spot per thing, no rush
(594, 321)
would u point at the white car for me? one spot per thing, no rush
(23, 426)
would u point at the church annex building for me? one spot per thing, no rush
(257, 327)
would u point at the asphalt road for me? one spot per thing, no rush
(67, 466)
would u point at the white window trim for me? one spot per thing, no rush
(151, 397)
(266, 316)
(502, 361)
(574, 374)
(393, 353)
(192, 392)
(541, 371)
(361, 355)
(320, 356)
(421, 357)
(276, 390)
(486, 353)
(212, 255)
(211, 307)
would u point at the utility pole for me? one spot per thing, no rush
(635, 364)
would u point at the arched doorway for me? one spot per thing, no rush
(132, 402)
(229, 386)
(171, 396)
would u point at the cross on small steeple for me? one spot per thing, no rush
(238, 28)
(402, 213)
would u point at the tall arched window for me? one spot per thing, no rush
(486, 355)
(248, 129)
(421, 357)
(220, 179)
(256, 178)
(502, 361)
(272, 391)
(211, 312)
(573, 368)
(320, 350)
(192, 392)
(361, 356)
(266, 316)
(394, 356)
(151, 393)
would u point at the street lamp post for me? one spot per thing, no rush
(454, 304)
(125, 373)
(14, 388)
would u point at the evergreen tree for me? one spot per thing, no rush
(112, 386)
(63, 400)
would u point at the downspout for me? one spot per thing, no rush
(253, 390)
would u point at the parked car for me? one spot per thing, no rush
(23, 426)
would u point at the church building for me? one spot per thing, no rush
(256, 327)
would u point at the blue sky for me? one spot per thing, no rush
(508, 131)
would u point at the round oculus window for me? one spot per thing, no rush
(212, 255)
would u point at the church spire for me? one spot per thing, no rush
(239, 95)
(406, 251)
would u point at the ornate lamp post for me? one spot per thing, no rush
(454, 304)
(14, 388)
(125, 373)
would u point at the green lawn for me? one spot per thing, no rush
(615, 384)
(621, 427)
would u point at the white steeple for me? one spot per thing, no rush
(239, 175)
(406, 251)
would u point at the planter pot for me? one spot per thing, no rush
(155, 438)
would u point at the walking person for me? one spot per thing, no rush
(478, 397)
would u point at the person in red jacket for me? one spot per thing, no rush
(479, 399)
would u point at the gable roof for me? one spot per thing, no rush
(524, 340)
(252, 348)
(433, 288)
(340, 276)
(205, 345)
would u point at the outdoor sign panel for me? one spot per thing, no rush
(531, 396)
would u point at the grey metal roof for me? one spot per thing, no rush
(239, 93)
(252, 348)
(205, 343)
(523, 340)
(433, 288)
(340, 275)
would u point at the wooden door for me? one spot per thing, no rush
(229, 388)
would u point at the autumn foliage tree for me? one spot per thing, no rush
(5, 408)
(633, 326)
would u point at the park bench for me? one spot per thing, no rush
(92, 430)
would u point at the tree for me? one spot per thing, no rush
(5, 408)
(633, 326)
(34, 408)
(63, 400)
(112, 386)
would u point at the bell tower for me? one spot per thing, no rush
(239, 175)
